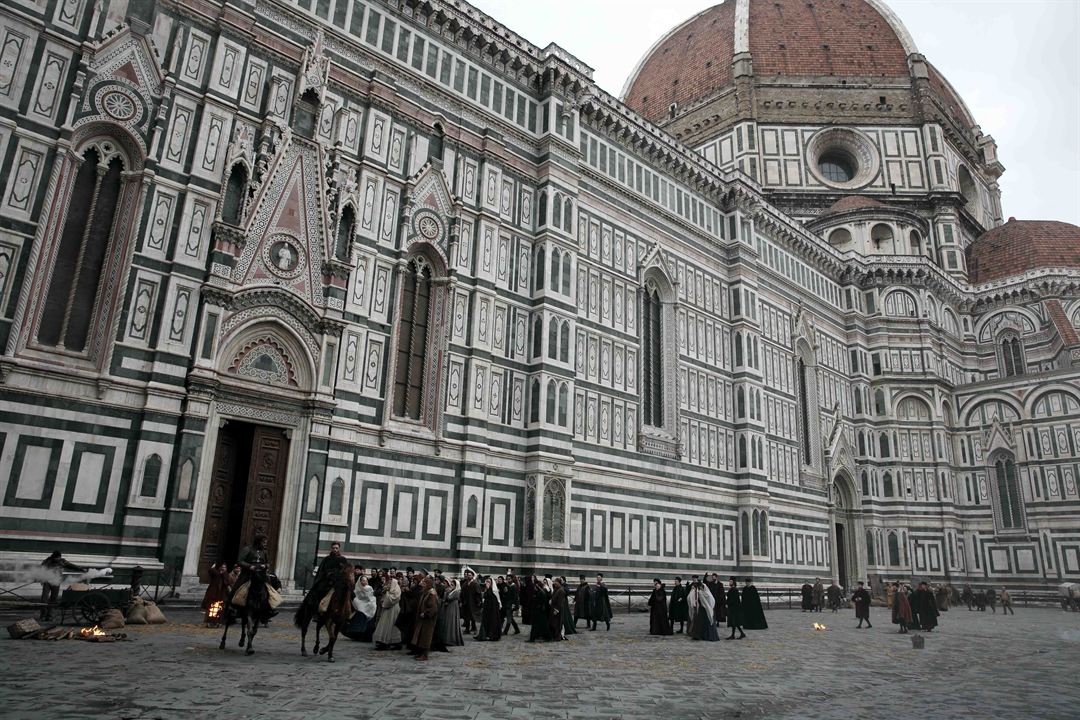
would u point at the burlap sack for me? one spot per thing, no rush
(113, 619)
(154, 616)
(137, 615)
(324, 604)
(239, 598)
(80, 586)
(275, 597)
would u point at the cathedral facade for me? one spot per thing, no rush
(384, 272)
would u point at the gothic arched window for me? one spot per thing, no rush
(541, 209)
(894, 550)
(151, 476)
(564, 342)
(472, 512)
(552, 389)
(763, 533)
(80, 258)
(305, 112)
(345, 234)
(553, 339)
(756, 533)
(538, 337)
(568, 215)
(412, 340)
(652, 359)
(554, 510)
(745, 533)
(870, 546)
(566, 280)
(564, 403)
(1012, 356)
(888, 485)
(337, 497)
(1010, 501)
(534, 402)
(804, 412)
(232, 205)
(538, 270)
(553, 276)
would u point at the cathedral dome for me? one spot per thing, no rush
(1022, 245)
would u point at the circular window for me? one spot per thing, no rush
(837, 166)
(842, 158)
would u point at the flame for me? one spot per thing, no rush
(819, 626)
(92, 632)
(216, 609)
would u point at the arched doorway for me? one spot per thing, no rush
(845, 528)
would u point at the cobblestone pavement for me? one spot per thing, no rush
(976, 664)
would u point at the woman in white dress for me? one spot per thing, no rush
(387, 636)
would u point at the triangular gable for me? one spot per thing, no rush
(998, 438)
(657, 259)
(131, 57)
(429, 188)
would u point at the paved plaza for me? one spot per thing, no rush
(978, 664)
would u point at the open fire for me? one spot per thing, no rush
(819, 626)
(215, 612)
(92, 632)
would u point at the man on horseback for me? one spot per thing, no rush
(330, 569)
(253, 557)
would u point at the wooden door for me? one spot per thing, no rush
(218, 505)
(266, 487)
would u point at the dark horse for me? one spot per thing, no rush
(254, 611)
(334, 618)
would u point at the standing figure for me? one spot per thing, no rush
(807, 596)
(659, 624)
(583, 603)
(753, 615)
(834, 596)
(819, 595)
(861, 598)
(527, 587)
(734, 611)
(991, 599)
(901, 608)
(924, 606)
(52, 573)
(387, 636)
(451, 615)
(471, 599)
(678, 610)
(600, 604)
(427, 614)
(569, 625)
(717, 589)
(362, 625)
(701, 604)
(1006, 602)
(541, 601)
(490, 613)
(216, 592)
(967, 596)
(556, 610)
(511, 601)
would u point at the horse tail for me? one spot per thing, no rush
(303, 615)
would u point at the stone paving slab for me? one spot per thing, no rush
(975, 664)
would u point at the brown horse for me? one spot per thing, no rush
(336, 616)
(254, 611)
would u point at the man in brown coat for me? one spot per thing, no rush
(427, 613)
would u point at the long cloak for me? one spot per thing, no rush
(861, 598)
(407, 617)
(753, 613)
(734, 608)
(386, 632)
(834, 596)
(819, 596)
(568, 621)
(924, 606)
(539, 611)
(427, 613)
(658, 613)
(490, 617)
(807, 597)
(582, 603)
(721, 603)
(471, 600)
(556, 610)
(701, 604)
(361, 625)
(451, 613)
(901, 610)
(599, 604)
(678, 609)
(527, 590)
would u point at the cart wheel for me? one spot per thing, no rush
(92, 607)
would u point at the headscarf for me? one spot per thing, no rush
(495, 591)
(364, 601)
(548, 586)
(701, 595)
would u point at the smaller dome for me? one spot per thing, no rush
(849, 203)
(1022, 245)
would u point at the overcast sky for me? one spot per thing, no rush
(1015, 63)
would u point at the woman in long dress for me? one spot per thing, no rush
(659, 624)
(701, 605)
(451, 616)
(387, 635)
(490, 613)
(362, 625)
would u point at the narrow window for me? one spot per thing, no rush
(551, 402)
(412, 340)
(538, 280)
(1011, 508)
(652, 360)
(472, 512)
(894, 550)
(337, 497)
(804, 412)
(151, 477)
(534, 402)
(345, 234)
(80, 258)
(232, 206)
(564, 403)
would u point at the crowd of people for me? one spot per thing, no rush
(702, 605)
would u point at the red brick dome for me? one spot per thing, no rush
(1022, 245)
(785, 38)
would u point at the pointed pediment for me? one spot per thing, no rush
(131, 57)
(998, 437)
(428, 188)
(656, 258)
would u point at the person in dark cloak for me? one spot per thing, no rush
(924, 606)
(490, 613)
(991, 599)
(942, 595)
(967, 597)
(472, 596)
(540, 631)
(807, 597)
(410, 600)
(678, 611)
(901, 608)
(427, 614)
(53, 571)
(834, 594)
(980, 600)
(511, 601)
(819, 595)
(753, 615)
(216, 591)
(600, 605)
(582, 603)
(557, 610)
(659, 624)
(717, 589)
(528, 586)
(734, 611)
(569, 624)
(861, 598)
(330, 569)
